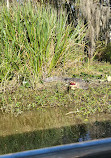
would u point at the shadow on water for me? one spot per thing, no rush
(55, 136)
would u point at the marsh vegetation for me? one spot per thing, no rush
(38, 41)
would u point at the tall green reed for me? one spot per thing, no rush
(35, 39)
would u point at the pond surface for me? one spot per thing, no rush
(50, 127)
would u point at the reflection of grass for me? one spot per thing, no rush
(30, 141)
(49, 127)
(40, 138)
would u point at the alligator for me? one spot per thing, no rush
(73, 83)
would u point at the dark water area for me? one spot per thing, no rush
(55, 136)
(50, 127)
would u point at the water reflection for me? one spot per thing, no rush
(38, 137)
(84, 137)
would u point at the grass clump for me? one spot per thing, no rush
(34, 39)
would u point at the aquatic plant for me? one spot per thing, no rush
(34, 39)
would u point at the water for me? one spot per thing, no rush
(48, 128)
